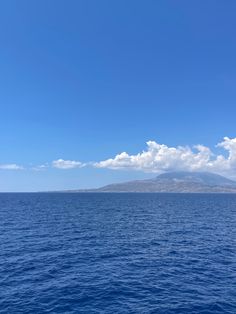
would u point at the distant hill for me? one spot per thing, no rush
(200, 177)
(174, 182)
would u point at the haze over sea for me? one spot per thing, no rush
(117, 253)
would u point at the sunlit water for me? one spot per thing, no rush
(117, 253)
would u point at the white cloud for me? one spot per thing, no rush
(160, 157)
(40, 167)
(67, 164)
(10, 167)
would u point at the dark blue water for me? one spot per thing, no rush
(117, 253)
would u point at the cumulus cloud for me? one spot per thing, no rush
(160, 157)
(67, 164)
(10, 167)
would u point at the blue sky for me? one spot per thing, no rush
(84, 81)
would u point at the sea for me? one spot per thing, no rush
(117, 253)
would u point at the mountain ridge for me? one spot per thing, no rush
(173, 182)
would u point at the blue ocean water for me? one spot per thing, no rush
(117, 253)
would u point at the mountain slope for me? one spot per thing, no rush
(176, 182)
(199, 177)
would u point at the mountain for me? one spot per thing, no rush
(174, 182)
(200, 177)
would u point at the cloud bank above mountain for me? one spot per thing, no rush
(160, 157)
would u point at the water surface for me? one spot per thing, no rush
(117, 253)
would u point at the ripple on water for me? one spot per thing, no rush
(117, 253)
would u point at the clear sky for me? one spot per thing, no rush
(83, 81)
